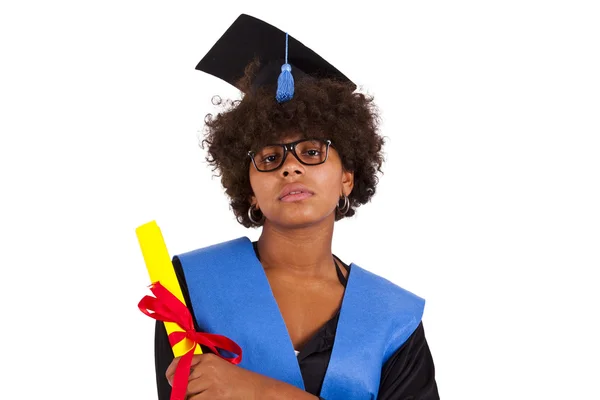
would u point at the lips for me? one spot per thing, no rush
(295, 191)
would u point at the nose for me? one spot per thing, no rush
(291, 165)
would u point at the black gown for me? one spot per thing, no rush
(409, 374)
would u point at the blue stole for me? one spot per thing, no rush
(231, 296)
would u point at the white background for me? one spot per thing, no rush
(488, 207)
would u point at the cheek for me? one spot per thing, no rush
(254, 184)
(330, 183)
(261, 186)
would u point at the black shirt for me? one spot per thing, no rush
(409, 374)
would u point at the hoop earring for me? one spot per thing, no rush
(252, 218)
(345, 208)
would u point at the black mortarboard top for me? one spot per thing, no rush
(249, 38)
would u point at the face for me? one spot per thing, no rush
(321, 185)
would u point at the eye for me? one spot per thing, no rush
(271, 158)
(312, 152)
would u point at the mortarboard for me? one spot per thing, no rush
(249, 38)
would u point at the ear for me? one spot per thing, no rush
(347, 182)
(254, 202)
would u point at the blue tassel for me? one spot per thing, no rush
(285, 82)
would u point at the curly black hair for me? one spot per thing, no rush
(320, 108)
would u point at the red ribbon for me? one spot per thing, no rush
(166, 307)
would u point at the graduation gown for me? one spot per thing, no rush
(409, 372)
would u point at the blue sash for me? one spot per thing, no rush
(231, 296)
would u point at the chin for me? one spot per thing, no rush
(301, 220)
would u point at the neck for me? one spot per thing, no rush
(298, 252)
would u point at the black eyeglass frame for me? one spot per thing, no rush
(291, 147)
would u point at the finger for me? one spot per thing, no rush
(206, 395)
(173, 366)
(197, 386)
(171, 370)
(197, 358)
(195, 372)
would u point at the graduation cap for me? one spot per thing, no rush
(283, 59)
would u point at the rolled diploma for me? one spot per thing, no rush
(160, 268)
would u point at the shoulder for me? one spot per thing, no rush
(232, 245)
(223, 262)
(385, 291)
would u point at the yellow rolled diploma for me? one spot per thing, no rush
(160, 269)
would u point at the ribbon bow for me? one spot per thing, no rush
(166, 307)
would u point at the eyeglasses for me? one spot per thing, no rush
(307, 151)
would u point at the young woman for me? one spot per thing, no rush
(294, 158)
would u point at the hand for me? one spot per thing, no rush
(211, 377)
